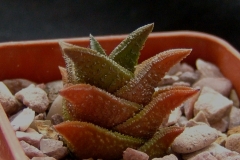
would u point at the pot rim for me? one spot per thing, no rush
(187, 33)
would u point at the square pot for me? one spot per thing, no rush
(38, 61)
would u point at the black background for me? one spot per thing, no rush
(49, 19)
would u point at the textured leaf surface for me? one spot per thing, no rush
(168, 88)
(127, 52)
(70, 69)
(67, 111)
(161, 141)
(95, 45)
(91, 104)
(91, 67)
(147, 121)
(64, 75)
(148, 74)
(86, 140)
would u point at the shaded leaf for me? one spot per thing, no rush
(67, 111)
(92, 104)
(127, 52)
(70, 69)
(88, 66)
(161, 141)
(64, 75)
(147, 121)
(86, 140)
(148, 74)
(95, 45)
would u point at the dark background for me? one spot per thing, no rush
(49, 19)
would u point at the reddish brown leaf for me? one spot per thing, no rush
(147, 121)
(86, 140)
(161, 141)
(148, 74)
(91, 104)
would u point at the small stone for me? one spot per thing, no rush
(184, 67)
(8, 101)
(206, 155)
(43, 158)
(200, 117)
(55, 108)
(181, 83)
(214, 105)
(49, 145)
(132, 154)
(33, 97)
(216, 150)
(189, 77)
(233, 142)
(234, 97)
(228, 156)
(23, 119)
(31, 130)
(221, 125)
(194, 138)
(59, 153)
(174, 69)
(56, 119)
(182, 121)
(167, 157)
(208, 69)
(234, 119)
(53, 88)
(188, 106)
(192, 123)
(221, 85)
(31, 138)
(15, 85)
(169, 79)
(31, 151)
(173, 117)
(41, 86)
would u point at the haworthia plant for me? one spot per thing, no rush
(110, 101)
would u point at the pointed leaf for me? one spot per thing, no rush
(161, 141)
(168, 88)
(95, 45)
(67, 111)
(70, 68)
(148, 74)
(91, 67)
(147, 121)
(97, 106)
(64, 75)
(127, 52)
(86, 140)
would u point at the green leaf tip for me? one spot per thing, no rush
(128, 51)
(158, 145)
(95, 45)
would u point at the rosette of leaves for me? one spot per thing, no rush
(110, 102)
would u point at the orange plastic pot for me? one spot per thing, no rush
(39, 60)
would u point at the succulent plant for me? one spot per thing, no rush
(110, 102)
